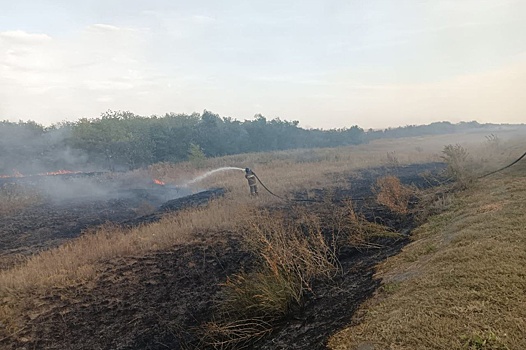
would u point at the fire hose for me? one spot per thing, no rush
(286, 200)
(313, 200)
(506, 167)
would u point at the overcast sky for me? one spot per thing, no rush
(328, 64)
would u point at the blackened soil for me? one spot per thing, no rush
(331, 305)
(51, 223)
(192, 201)
(361, 191)
(158, 301)
(155, 301)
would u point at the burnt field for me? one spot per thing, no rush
(160, 300)
(71, 203)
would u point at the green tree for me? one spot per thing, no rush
(196, 155)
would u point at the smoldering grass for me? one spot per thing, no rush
(15, 197)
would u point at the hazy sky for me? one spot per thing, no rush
(375, 63)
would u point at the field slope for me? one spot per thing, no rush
(461, 283)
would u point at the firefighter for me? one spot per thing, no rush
(252, 181)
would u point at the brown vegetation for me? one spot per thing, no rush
(392, 194)
(292, 249)
(290, 254)
(461, 283)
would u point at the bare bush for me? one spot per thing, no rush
(458, 165)
(392, 159)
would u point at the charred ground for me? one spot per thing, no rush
(160, 300)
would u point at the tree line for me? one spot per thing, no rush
(120, 140)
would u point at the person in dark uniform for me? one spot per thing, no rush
(252, 181)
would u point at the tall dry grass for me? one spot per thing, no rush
(287, 171)
(290, 254)
(292, 248)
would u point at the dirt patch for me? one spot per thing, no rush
(158, 301)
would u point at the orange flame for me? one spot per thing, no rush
(17, 173)
(158, 182)
(60, 172)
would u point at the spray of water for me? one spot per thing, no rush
(205, 175)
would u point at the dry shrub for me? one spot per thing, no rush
(459, 167)
(291, 254)
(391, 193)
(392, 159)
(493, 141)
(15, 197)
(350, 229)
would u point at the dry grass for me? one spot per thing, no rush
(461, 284)
(287, 171)
(78, 260)
(284, 172)
(349, 229)
(14, 197)
(238, 334)
(292, 249)
(290, 254)
(391, 193)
